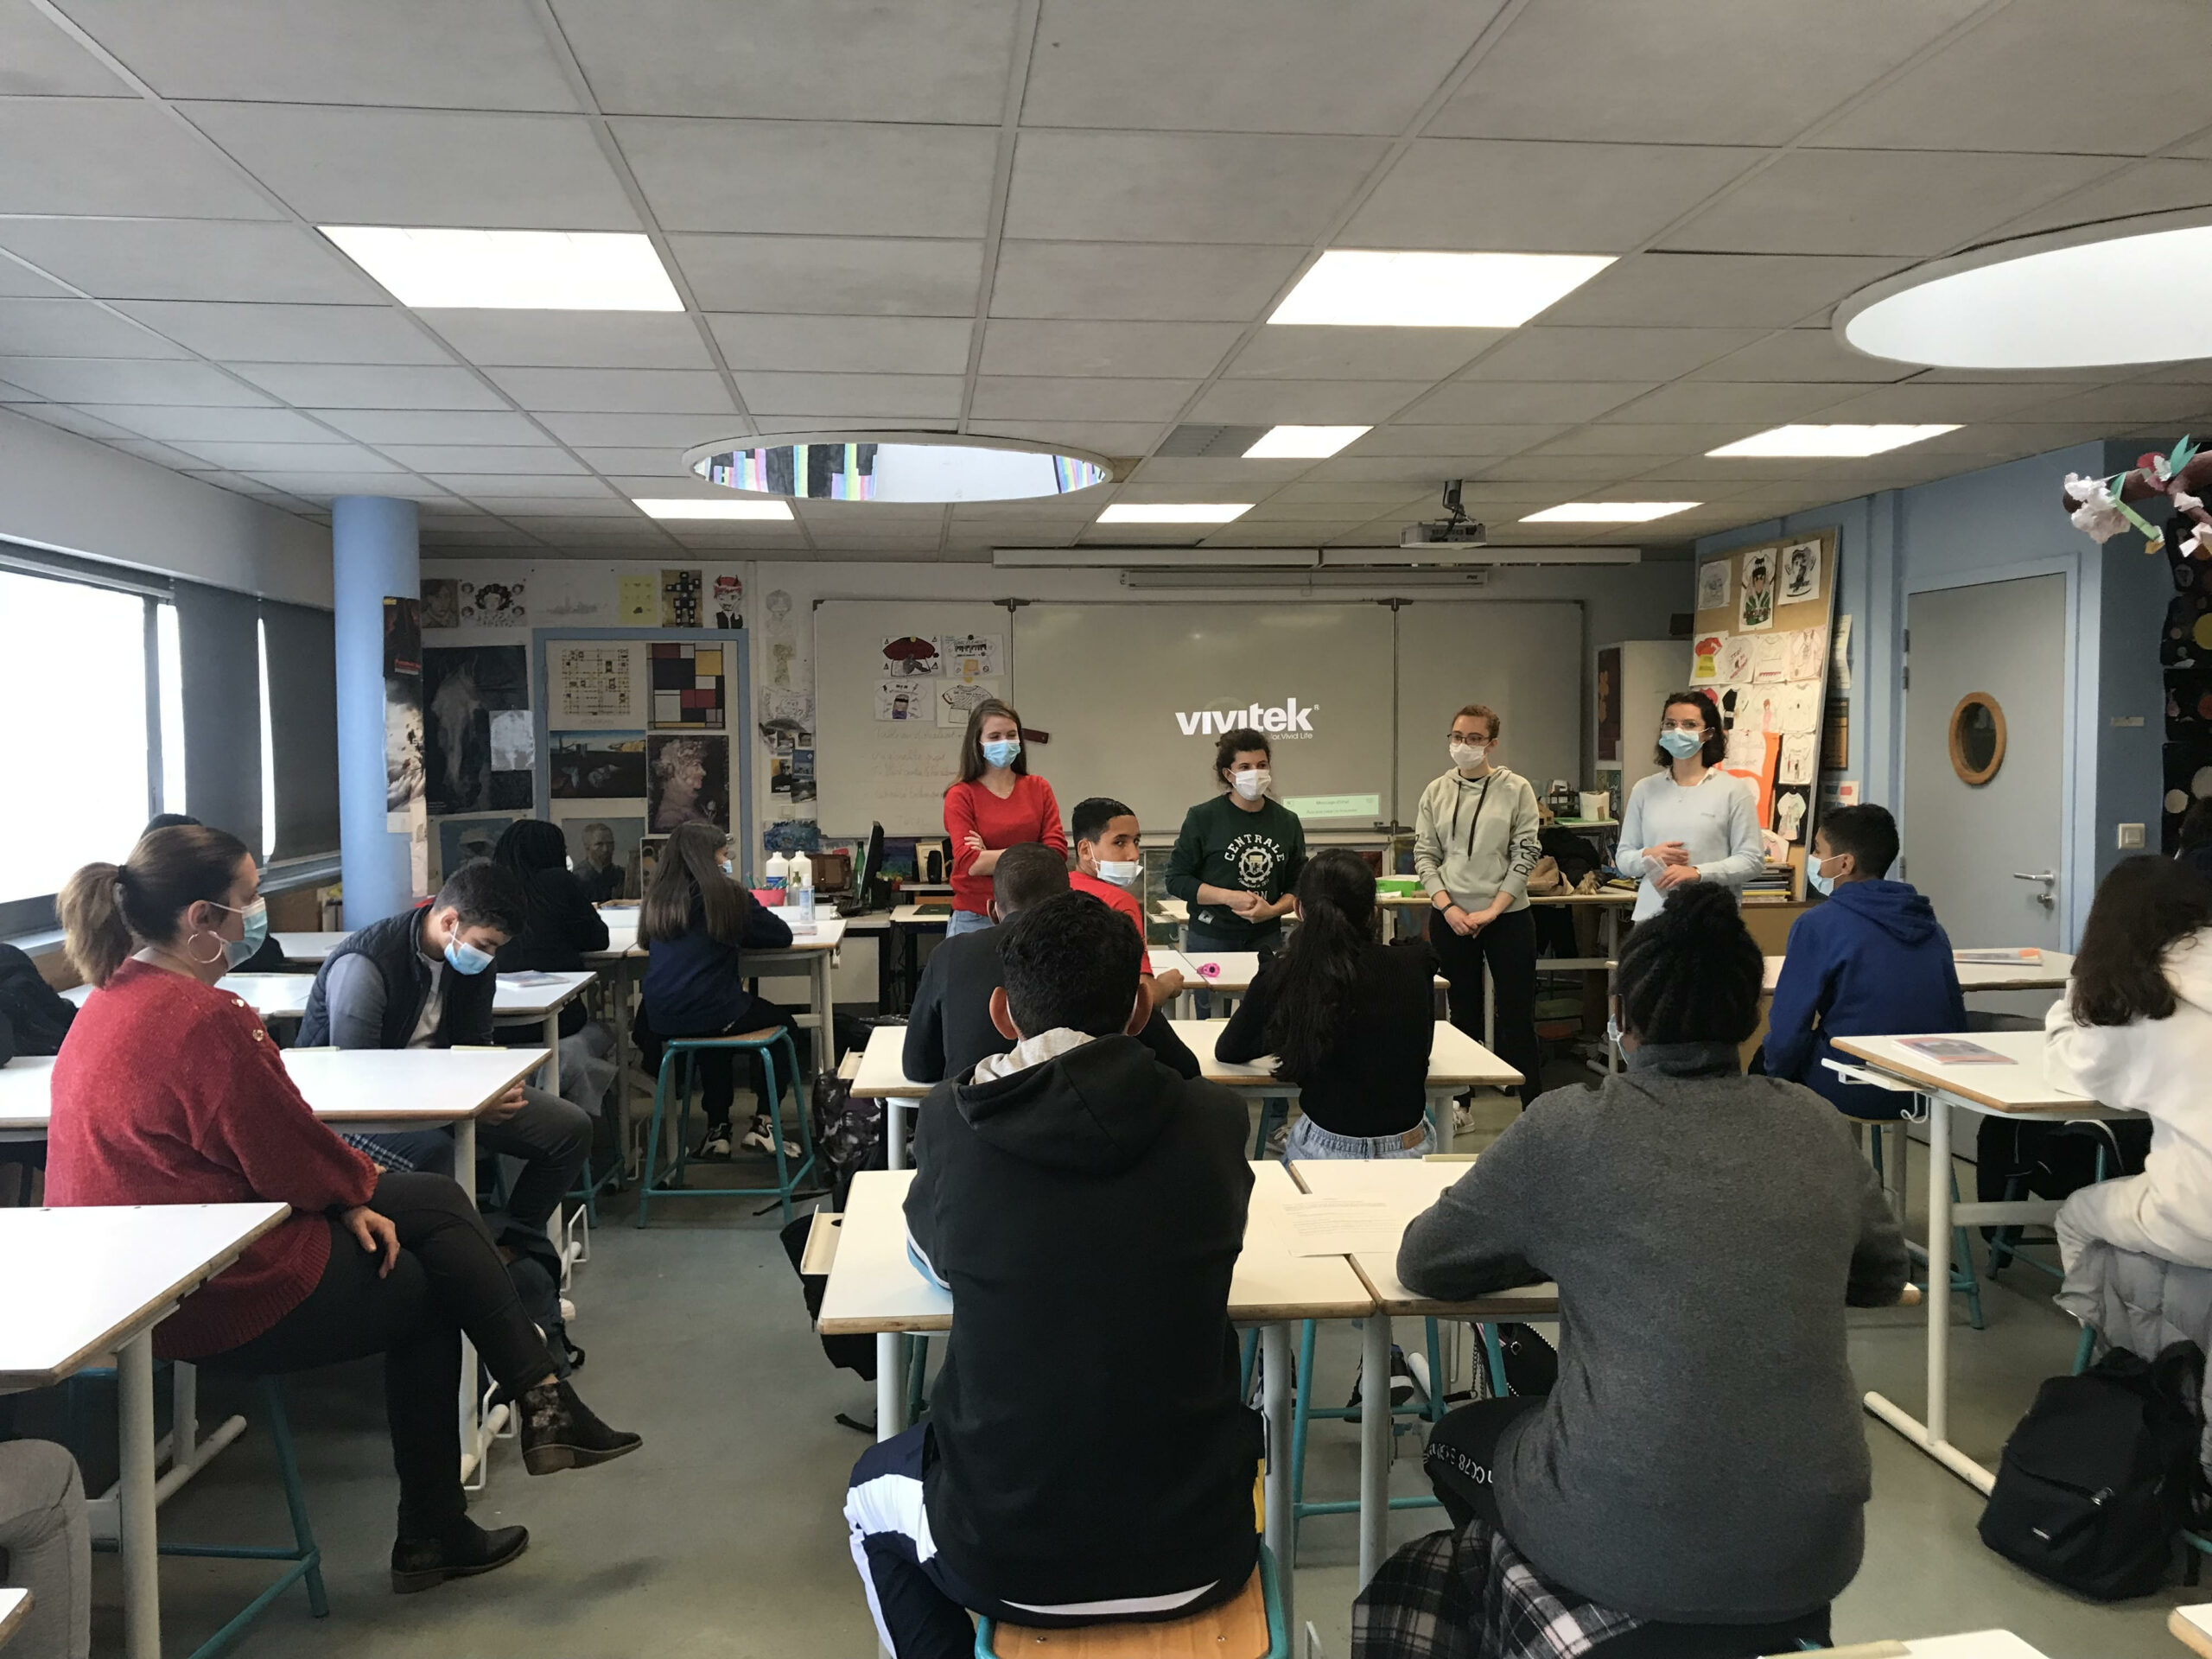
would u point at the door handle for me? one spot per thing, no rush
(2047, 877)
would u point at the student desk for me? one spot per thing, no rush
(1972, 1644)
(1457, 1062)
(875, 1289)
(2192, 1627)
(313, 949)
(1407, 1187)
(2049, 974)
(2017, 1089)
(882, 1076)
(1231, 974)
(14, 1604)
(78, 1283)
(908, 923)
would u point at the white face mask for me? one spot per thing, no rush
(1121, 873)
(1468, 756)
(1251, 784)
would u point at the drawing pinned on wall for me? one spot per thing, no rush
(649, 851)
(1609, 705)
(729, 595)
(514, 745)
(802, 774)
(1797, 750)
(793, 709)
(1806, 650)
(596, 685)
(463, 687)
(1746, 749)
(572, 592)
(1712, 584)
(1800, 572)
(1791, 802)
(1840, 656)
(782, 648)
(637, 601)
(1704, 659)
(403, 715)
(602, 850)
(493, 605)
(687, 781)
(680, 593)
(780, 773)
(971, 655)
(688, 683)
(956, 700)
(440, 602)
(1798, 708)
(597, 766)
(463, 839)
(1755, 613)
(902, 700)
(909, 654)
(1736, 661)
(1770, 658)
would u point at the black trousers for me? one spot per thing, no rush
(448, 1279)
(1461, 1459)
(1509, 945)
(718, 1067)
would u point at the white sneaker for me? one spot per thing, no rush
(761, 1138)
(1460, 1119)
(568, 1311)
(716, 1145)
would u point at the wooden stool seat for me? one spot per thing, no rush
(1236, 1630)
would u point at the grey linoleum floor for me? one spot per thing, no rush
(723, 1538)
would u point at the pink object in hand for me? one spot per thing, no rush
(1209, 969)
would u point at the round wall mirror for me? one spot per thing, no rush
(1977, 738)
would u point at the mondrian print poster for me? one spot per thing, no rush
(687, 683)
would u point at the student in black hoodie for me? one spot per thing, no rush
(949, 1028)
(1087, 1446)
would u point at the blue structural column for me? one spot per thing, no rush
(376, 552)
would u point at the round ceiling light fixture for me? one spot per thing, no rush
(904, 466)
(2125, 291)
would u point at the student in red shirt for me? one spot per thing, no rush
(1109, 862)
(169, 1091)
(996, 804)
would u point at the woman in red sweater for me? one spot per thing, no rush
(996, 804)
(169, 1091)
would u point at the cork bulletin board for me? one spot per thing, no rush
(1760, 647)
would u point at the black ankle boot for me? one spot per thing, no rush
(560, 1432)
(461, 1550)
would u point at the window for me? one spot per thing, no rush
(172, 701)
(268, 752)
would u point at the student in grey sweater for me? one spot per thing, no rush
(1701, 1459)
(1692, 821)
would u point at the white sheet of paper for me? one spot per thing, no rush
(1321, 1226)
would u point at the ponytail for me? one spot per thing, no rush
(94, 934)
(106, 910)
(1316, 973)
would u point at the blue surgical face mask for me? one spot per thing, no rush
(726, 868)
(465, 958)
(1681, 744)
(256, 933)
(1821, 884)
(1001, 752)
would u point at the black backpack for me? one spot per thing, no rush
(2102, 1474)
(33, 1016)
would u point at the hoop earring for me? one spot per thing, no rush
(205, 962)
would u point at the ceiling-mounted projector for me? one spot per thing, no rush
(1455, 527)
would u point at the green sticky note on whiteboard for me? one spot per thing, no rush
(1335, 807)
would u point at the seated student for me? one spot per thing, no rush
(1871, 962)
(696, 922)
(46, 1547)
(1109, 862)
(560, 924)
(1350, 1020)
(2134, 1030)
(169, 1091)
(1065, 1475)
(423, 979)
(949, 1028)
(1705, 1466)
(270, 959)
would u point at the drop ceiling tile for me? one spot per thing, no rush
(434, 426)
(926, 60)
(1686, 72)
(124, 380)
(2154, 187)
(658, 391)
(38, 60)
(1110, 350)
(1112, 438)
(488, 490)
(667, 464)
(1300, 353)
(1183, 187)
(1404, 472)
(1802, 354)
(1655, 443)
(1505, 403)
(1280, 532)
(62, 328)
(1716, 291)
(1569, 468)
(1304, 402)
(109, 155)
(424, 167)
(1758, 404)
(2138, 405)
(1443, 440)
(1043, 397)
(1338, 491)
(573, 339)
(1180, 471)
(506, 458)
(69, 419)
(252, 458)
(834, 276)
(1876, 201)
(1260, 66)
(812, 177)
(1917, 403)
(320, 486)
(869, 399)
(844, 345)
(358, 386)
(18, 281)
(424, 53)
(1538, 198)
(1545, 353)
(288, 333)
(171, 422)
(12, 393)
(673, 432)
(1140, 282)
(188, 259)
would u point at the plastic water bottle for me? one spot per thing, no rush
(780, 870)
(799, 893)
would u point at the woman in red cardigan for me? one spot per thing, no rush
(169, 1091)
(996, 804)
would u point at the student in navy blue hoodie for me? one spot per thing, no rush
(1871, 962)
(695, 921)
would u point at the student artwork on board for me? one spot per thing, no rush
(403, 714)
(463, 687)
(1712, 584)
(1807, 651)
(598, 766)
(1796, 764)
(971, 655)
(1769, 659)
(440, 602)
(597, 685)
(687, 781)
(1800, 572)
(460, 839)
(1798, 708)
(729, 593)
(637, 601)
(1792, 803)
(1756, 613)
(1736, 660)
(1704, 659)
(955, 700)
(903, 700)
(603, 851)
(688, 684)
(679, 598)
(493, 605)
(909, 654)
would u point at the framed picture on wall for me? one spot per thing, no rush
(1609, 705)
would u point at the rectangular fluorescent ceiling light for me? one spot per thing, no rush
(1303, 443)
(511, 270)
(1830, 440)
(1359, 287)
(1608, 512)
(692, 507)
(1173, 512)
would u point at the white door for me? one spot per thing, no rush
(1987, 854)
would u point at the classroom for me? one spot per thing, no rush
(882, 781)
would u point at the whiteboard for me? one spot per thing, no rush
(1523, 659)
(871, 770)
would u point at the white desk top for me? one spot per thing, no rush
(1455, 1060)
(1410, 1186)
(284, 996)
(883, 1068)
(2192, 1627)
(14, 1604)
(622, 937)
(2049, 974)
(1973, 1644)
(874, 1286)
(360, 1085)
(308, 947)
(1233, 971)
(74, 1283)
(2020, 1087)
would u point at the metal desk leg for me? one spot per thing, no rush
(1374, 1445)
(1490, 1009)
(1613, 971)
(553, 1052)
(1274, 1375)
(141, 1587)
(895, 1133)
(825, 1032)
(890, 1385)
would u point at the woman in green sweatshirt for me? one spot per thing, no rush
(1238, 858)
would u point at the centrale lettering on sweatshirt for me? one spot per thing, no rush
(1289, 718)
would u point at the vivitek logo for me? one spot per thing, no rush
(1289, 718)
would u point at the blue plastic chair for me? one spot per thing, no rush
(1137, 1632)
(679, 1064)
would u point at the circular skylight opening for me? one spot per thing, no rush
(900, 468)
(2122, 292)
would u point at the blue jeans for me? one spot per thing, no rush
(1309, 1139)
(966, 921)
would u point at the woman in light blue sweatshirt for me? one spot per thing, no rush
(1690, 823)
